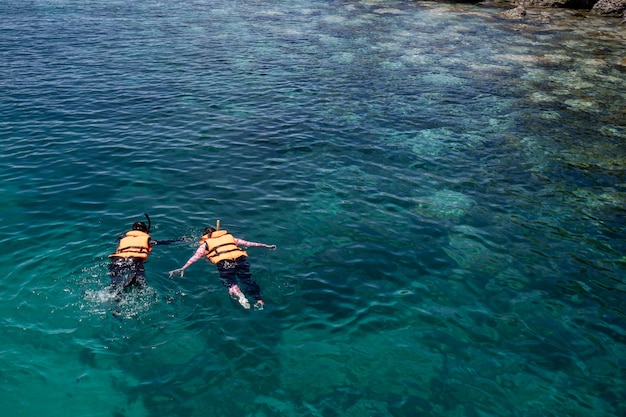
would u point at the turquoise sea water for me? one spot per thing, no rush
(446, 190)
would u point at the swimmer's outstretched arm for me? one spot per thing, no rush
(197, 255)
(241, 242)
(168, 241)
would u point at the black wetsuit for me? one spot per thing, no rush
(126, 272)
(239, 268)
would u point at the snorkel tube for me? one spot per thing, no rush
(149, 223)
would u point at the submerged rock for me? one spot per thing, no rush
(544, 3)
(445, 204)
(518, 13)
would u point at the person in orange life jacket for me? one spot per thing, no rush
(222, 249)
(126, 267)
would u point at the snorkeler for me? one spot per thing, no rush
(222, 249)
(126, 268)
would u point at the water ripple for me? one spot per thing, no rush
(449, 239)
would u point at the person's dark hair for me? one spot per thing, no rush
(141, 226)
(208, 230)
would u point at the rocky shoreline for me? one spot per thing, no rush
(609, 8)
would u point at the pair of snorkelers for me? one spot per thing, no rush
(218, 246)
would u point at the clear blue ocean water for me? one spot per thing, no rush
(446, 190)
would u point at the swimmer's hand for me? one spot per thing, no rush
(272, 247)
(179, 271)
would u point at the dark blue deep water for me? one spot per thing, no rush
(446, 190)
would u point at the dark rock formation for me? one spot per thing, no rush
(609, 7)
(528, 9)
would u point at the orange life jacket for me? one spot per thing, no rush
(220, 245)
(135, 244)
